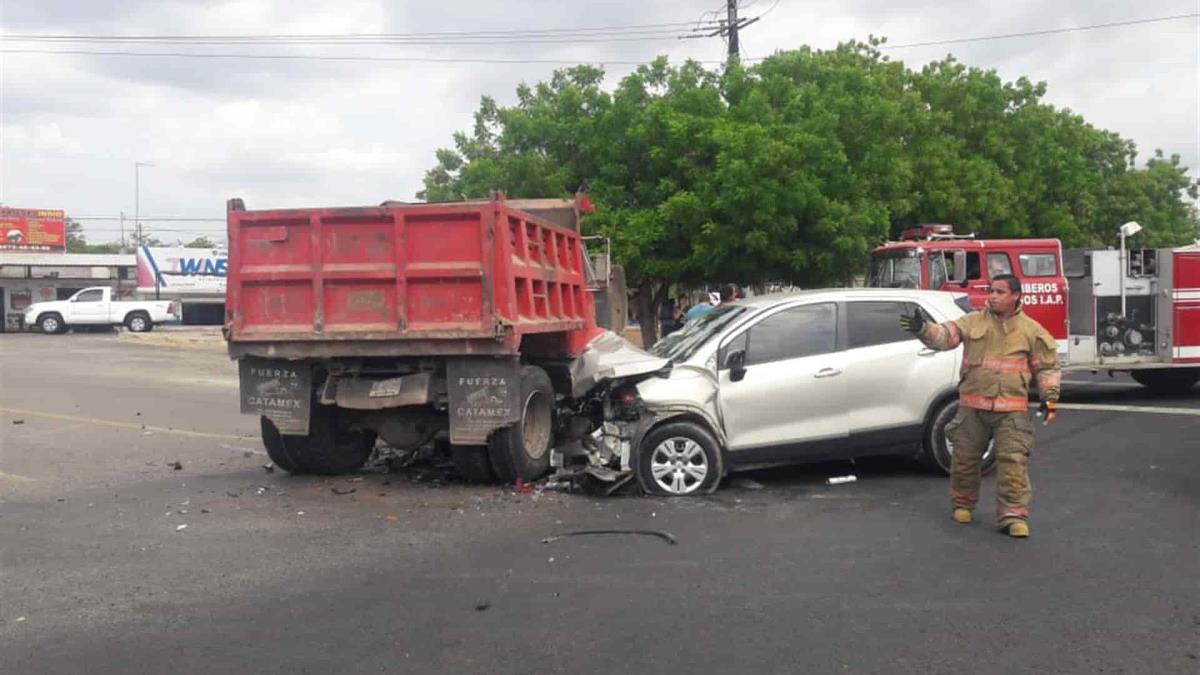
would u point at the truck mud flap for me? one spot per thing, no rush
(484, 395)
(279, 390)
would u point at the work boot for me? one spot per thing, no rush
(1018, 529)
(962, 515)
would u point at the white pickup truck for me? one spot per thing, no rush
(95, 307)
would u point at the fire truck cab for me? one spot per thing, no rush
(1140, 314)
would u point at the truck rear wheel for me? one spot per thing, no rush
(139, 322)
(1167, 380)
(332, 446)
(473, 463)
(522, 450)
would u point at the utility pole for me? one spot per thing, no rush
(727, 28)
(137, 201)
(123, 247)
(731, 23)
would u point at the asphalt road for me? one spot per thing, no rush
(280, 574)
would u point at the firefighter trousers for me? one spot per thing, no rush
(970, 432)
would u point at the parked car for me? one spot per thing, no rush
(95, 307)
(780, 379)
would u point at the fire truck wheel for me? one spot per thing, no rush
(1170, 381)
(473, 463)
(522, 450)
(937, 450)
(332, 445)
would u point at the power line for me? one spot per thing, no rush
(474, 41)
(159, 219)
(314, 57)
(1049, 31)
(481, 33)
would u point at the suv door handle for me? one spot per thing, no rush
(927, 352)
(827, 372)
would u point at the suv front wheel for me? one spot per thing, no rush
(937, 450)
(679, 459)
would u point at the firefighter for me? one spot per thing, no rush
(1003, 349)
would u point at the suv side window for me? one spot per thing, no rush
(876, 323)
(800, 331)
(90, 296)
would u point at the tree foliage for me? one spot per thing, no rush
(77, 240)
(790, 170)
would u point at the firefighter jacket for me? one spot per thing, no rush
(1000, 358)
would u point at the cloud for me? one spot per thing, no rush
(298, 133)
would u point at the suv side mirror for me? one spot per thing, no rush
(736, 363)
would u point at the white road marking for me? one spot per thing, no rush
(1089, 383)
(1104, 407)
(121, 425)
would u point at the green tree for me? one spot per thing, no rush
(77, 240)
(201, 242)
(792, 169)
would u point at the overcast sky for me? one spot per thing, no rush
(289, 133)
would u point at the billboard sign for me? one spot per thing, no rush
(33, 230)
(182, 271)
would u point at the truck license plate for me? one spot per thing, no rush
(279, 390)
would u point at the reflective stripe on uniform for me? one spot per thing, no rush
(1000, 365)
(1006, 512)
(994, 404)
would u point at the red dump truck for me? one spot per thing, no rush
(473, 323)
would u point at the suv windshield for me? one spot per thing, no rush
(898, 269)
(680, 345)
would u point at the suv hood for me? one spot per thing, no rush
(611, 357)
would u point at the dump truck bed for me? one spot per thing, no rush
(403, 279)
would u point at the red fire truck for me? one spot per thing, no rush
(1138, 312)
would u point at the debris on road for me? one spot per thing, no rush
(269, 467)
(205, 511)
(18, 422)
(342, 491)
(20, 619)
(665, 536)
(177, 465)
(483, 606)
(392, 518)
(523, 487)
(181, 528)
(838, 480)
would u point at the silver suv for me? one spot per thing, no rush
(789, 378)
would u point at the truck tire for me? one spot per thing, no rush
(331, 446)
(139, 322)
(1167, 380)
(522, 450)
(51, 324)
(276, 450)
(937, 451)
(473, 463)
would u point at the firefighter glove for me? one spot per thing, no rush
(914, 323)
(1048, 410)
